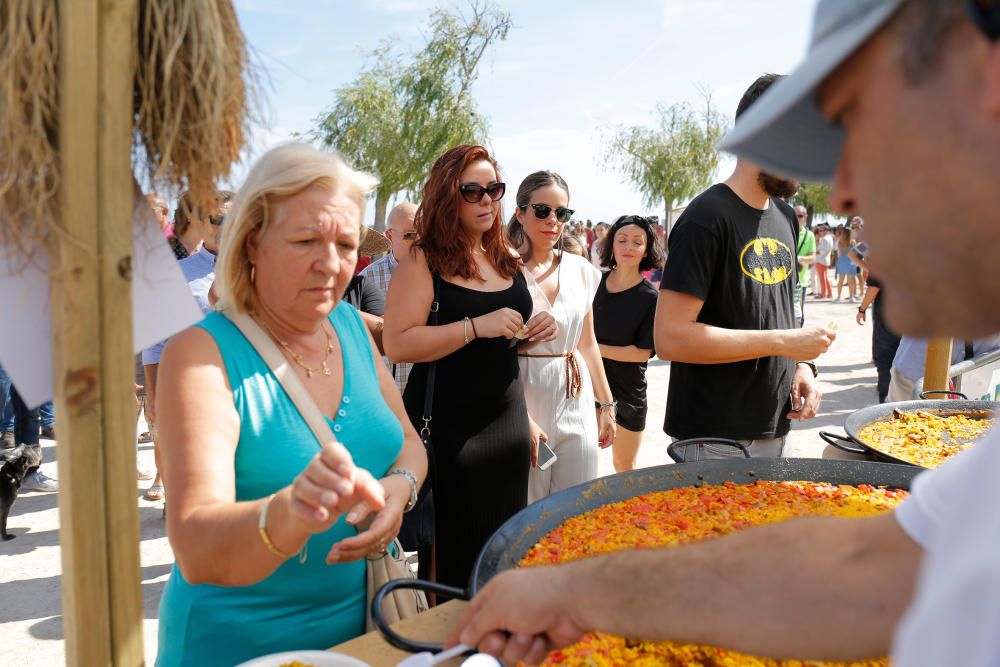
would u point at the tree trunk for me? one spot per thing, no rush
(381, 203)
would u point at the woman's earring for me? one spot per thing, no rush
(253, 273)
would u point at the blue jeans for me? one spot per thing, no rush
(26, 422)
(47, 413)
(7, 413)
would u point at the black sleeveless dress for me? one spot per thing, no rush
(479, 431)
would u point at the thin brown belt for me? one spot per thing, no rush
(574, 381)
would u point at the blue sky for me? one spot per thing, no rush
(568, 71)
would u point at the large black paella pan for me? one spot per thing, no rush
(508, 546)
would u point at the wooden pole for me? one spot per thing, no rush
(92, 336)
(937, 365)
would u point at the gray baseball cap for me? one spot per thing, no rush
(784, 131)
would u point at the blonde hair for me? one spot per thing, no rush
(279, 174)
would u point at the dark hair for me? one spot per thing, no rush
(925, 25)
(531, 182)
(186, 209)
(653, 259)
(756, 89)
(438, 226)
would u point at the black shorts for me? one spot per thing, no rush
(628, 386)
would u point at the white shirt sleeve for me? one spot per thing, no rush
(954, 618)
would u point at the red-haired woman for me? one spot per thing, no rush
(480, 439)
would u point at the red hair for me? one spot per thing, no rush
(439, 229)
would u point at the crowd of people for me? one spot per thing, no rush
(471, 365)
(474, 365)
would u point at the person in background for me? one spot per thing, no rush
(401, 234)
(558, 388)
(199, 272)
(189, 228)
(597, 249)
(725, 315)
(479, 434)
(362, 292)
(270, 527)
(885, 342)
(573, 246)
(847, 272)
(26, 432)
(824, 248)
(909, 363)
(624, 313)
(857, 230)
(158, 205)
(805, 251)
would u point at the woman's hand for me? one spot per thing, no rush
(607, 429)
(378, 530)
(536, 434)
(329, 486)
(541, 328)
(502, 323)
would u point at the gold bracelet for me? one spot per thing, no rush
(262, 529)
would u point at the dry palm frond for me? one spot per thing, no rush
(194, 100)
(195, 94)
(29, 112)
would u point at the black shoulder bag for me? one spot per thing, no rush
(418, 524)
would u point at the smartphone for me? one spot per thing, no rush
(546, 457)
(862, 249)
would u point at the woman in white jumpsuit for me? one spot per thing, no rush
(563, 377)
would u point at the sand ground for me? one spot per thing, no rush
(31, 629)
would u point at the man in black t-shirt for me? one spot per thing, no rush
(725, 315)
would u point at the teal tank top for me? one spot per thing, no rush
(308, 605)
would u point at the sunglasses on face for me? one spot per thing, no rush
(410, 236)
(800, 215)
(542, 212)
(473, 193)
(216, 220)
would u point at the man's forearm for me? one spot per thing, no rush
(765, 591)
(696, 343)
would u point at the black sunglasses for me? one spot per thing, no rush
(216, 220)
(410, 236)
(542, 211)
(473, 193)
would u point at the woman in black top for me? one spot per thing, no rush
(624, 310)
(480, 442)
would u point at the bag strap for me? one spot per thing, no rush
(432, 320)
(276, 361)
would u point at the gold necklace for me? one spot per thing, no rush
(297, 358)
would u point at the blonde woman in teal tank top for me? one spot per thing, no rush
(236, 447)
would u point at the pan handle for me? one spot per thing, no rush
(842, 443)
(672, 449)
(947, 392)
(393, 637)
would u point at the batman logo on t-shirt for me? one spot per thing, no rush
(767, 260)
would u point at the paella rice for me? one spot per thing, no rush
(923, 438)
(690, 514)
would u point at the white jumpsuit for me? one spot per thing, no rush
(569, 423)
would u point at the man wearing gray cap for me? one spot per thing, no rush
(898, 104)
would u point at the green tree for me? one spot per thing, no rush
(402, 112)
(815, 197)
(673, 161)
